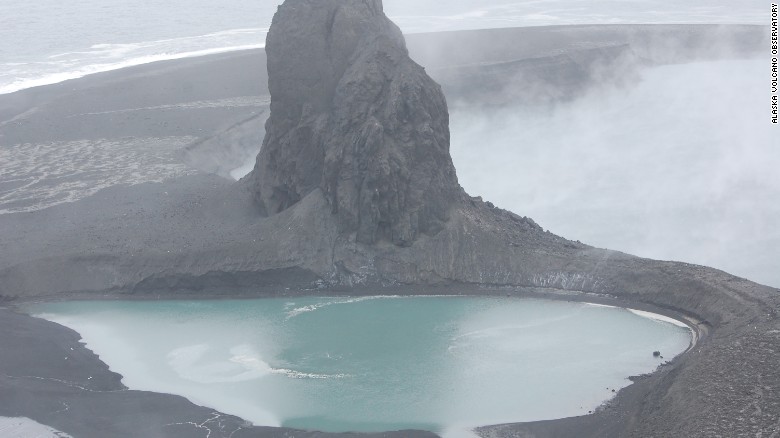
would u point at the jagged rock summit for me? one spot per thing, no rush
(353, 116)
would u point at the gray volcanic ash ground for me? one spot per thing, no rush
(37, 176)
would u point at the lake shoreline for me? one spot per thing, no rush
(698, 328)
(99, 343)
(625, 396)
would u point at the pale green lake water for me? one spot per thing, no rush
(374, 364)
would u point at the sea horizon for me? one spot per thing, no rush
(99, 37)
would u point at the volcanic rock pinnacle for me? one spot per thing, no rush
(353, 116)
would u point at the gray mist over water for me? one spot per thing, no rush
(680, 165)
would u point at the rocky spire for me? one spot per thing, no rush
(352, 115)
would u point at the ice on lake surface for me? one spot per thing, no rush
(373, 363)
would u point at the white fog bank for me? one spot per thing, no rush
(679, 166)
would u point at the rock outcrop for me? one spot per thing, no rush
(353, 116)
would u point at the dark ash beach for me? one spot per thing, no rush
(117, 189)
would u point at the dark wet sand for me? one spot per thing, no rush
(195, 234)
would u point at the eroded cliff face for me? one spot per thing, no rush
(353, 116)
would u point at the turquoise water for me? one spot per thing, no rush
(374, 364)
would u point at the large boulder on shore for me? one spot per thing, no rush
(353, 116)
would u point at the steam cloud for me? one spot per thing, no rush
(679, 166)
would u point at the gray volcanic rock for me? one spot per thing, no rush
(354, 116)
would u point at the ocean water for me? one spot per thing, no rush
(444, 364)
(50, 41)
